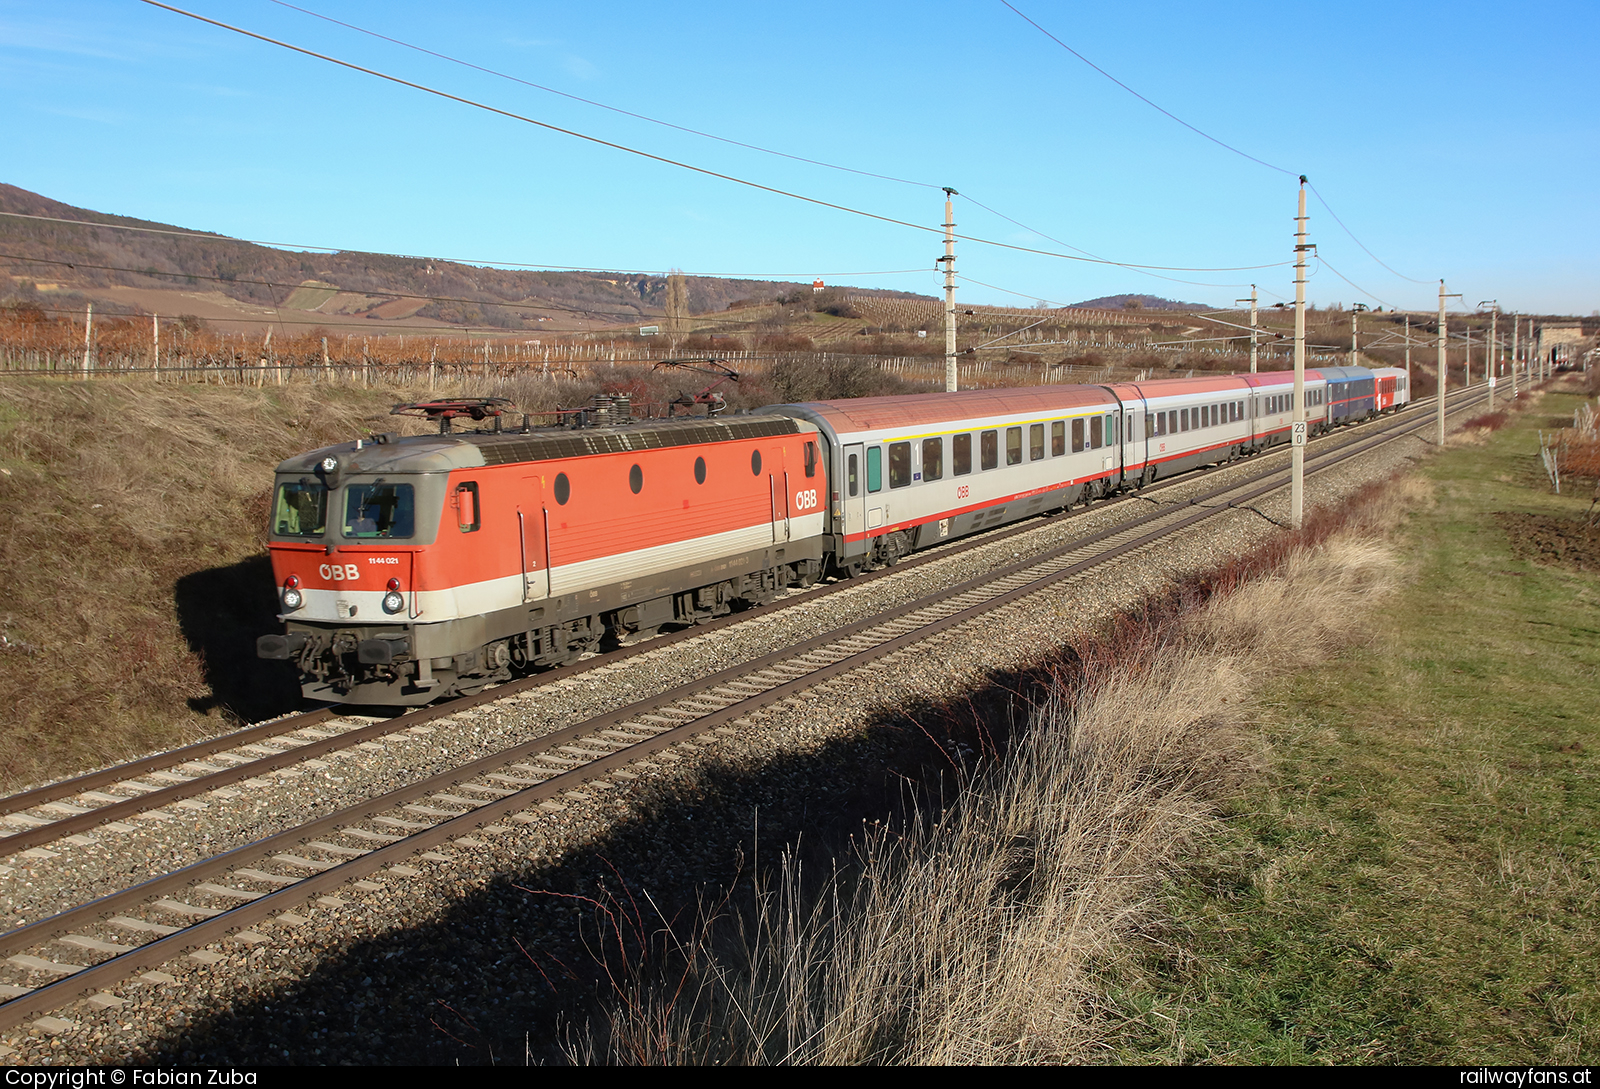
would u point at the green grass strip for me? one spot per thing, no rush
(1416, 881)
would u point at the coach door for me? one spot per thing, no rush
(853, 493)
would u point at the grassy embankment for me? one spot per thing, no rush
(132, 520)
(1417, 881)
(1399, 866)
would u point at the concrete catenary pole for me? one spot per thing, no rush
(88, 333)
(1516, 327)
(1354, 345)
(1466, 365)
(155, 346)
(949, 260)
(1488, 354)
(1254, 335)
(1297, 456)
(1408, 354)
(1438, 408)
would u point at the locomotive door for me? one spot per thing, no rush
(533, 540)
(854, 492)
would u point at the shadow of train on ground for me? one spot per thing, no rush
(498, 969)
(221, 611)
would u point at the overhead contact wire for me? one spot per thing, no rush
(675, 162)
(1142, 98)
(601, 105)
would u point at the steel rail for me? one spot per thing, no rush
(263, 905)
(15, 842)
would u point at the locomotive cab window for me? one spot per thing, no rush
(379, 510)
(899, 464)
(465, 501)
(932, 459)
(989, 449)
(961, 454)
(301, 510)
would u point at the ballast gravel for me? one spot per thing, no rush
(479, 947)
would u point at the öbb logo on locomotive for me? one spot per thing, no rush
(504, 550)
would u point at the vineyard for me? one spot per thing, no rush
(907, 314)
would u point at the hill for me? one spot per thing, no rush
(169, 269)
(1136, 302)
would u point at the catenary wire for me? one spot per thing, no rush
(678, 163)
(601, 105)
(1353, 238)
(693, 131)
(1142, 98)
(1200, 132)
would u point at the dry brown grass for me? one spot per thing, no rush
(131, 522)
(981, 931)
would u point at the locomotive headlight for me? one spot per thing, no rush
(393, 601)
(291, 594)
(329, 464)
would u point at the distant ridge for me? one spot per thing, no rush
(1137, 302)
(348, 289)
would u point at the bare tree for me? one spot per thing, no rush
(677, 307)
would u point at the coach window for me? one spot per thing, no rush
(899, 464)
(875, 468)
(1035, 441)
(811, 459)
(932, 459)
(1013, 446)
(1058, 438)
(1113, 429)
(852, 474)
(989, 449)
(961, 454)
(1096, 433)
(465, 501)
(1149, 425)
(1077, 435)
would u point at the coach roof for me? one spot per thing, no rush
(939, 410)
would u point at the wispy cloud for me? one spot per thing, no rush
(577, 66)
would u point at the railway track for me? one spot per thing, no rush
(142, 926)
(76, 806)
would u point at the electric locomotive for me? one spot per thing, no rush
(414, 568)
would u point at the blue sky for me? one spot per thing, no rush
(1456, 140)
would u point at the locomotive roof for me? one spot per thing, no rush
(472, 449)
